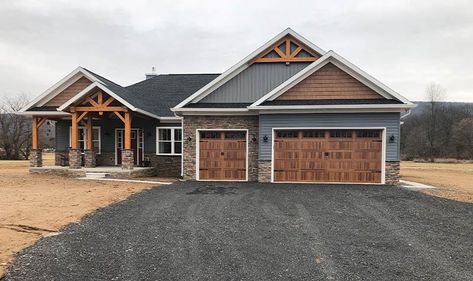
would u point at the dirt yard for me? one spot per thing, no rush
(454, 179)
(32, 206)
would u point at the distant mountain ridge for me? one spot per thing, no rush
(424, 105)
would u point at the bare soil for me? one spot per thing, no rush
(33, 206)
(454, 179)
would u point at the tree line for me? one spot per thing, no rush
(437, 129)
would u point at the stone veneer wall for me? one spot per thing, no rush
(106, 159)
(75, 159)
(392, 171)
(192, 123)
(127, 159)
(166, 166)
(61, 158)
(36, 158)
(264, 170)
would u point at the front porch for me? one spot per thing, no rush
(116, 172)
(94, 118)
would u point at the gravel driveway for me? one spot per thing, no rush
(250, 231)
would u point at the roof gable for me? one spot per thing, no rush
(244, 64)
(69, 92)
(329, 83)
(343, 64)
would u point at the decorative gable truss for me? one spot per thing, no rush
(287, 50)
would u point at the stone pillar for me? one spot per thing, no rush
(127, 159)
(89, 158)
(75, 161)
(36, 158)
(392, 170)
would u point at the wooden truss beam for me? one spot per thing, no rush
(287, 56)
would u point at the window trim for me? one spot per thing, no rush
(85, 140)
(172, 141)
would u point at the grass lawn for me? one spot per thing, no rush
(454, 179)
(33, 206)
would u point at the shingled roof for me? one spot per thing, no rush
(162, 92)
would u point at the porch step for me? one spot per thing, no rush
(92, 175)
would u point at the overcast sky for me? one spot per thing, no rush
(405, 44)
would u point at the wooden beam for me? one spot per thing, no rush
(34, 133)
(74, 132)
(279, 52)
(109, 101)
(41, 121)
(90, 144)
(83, 114)
(127, 141)
(120, 116)
(296, 51)
(91, 101)
(100, 98)
(99, 108)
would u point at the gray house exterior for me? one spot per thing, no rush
(288, 112)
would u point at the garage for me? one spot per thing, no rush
(323, 155)
(223, 155)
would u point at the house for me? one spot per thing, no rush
(288, 112)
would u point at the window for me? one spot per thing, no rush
(287, 134)
(96, 139)
(313, 134)
(169, 141)
(341, 134)
(367, 134)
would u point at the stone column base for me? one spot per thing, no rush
(36, 158)
(393, 170)
(127, 159)
(89, 158)
(75, 161)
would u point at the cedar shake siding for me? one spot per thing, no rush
(69, 92)
(329, 82)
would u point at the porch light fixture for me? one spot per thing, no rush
(265, 138)
(189, 138)
(253, 139)
(392, 138)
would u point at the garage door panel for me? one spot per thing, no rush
(222, 155)
(328, 156)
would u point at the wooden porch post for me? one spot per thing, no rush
(90, 144)
(127, 130)
(74, 132)
(36, 155)
(34, 144)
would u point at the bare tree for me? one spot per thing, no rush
(463, 138)
(15, 130)
(435, 94)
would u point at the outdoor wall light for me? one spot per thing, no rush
(265, 138)
(392, 138)
(189, 138)
(253, 139)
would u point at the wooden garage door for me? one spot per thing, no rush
(222, 155)
(328, 156)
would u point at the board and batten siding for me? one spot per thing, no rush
(253, 83)
(389, 120)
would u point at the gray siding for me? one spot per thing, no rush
(389, 120)
(254, 82)
(107, 130)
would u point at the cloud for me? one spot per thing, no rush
(405, 44)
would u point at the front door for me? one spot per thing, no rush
(136, 145)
